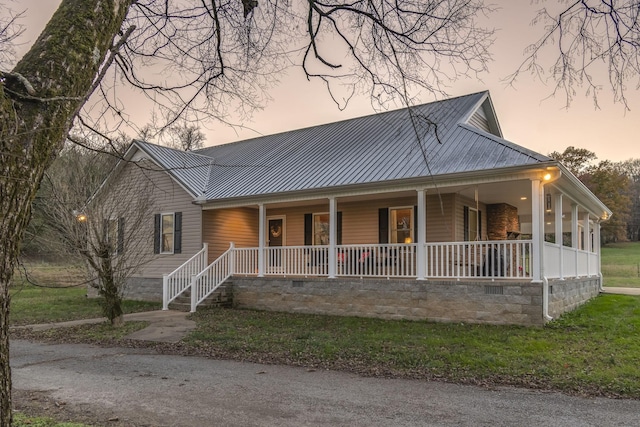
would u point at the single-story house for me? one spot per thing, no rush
(427, 213)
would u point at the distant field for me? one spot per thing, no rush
(621, 264)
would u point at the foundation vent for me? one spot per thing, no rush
(493, 290)
(297, 283)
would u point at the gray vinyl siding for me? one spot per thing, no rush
(168, 197)
(479, 120)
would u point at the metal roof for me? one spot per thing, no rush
(377, 148)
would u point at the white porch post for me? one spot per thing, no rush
(559, 237)
(575, 237)
(333, 236)
(537, 228)
(261, 239)
(587, 242)
(422, 235)
(596, 232)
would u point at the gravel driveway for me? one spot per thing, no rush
(133, 387)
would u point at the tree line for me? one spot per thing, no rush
(617, 184)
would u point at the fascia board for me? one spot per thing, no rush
(427, 183)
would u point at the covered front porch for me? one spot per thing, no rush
(481, 229)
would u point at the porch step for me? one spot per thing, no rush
(221, 297)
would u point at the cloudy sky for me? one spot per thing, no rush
(526, 116)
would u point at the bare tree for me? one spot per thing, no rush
(207, 58)
(112, 237)
(592, 43)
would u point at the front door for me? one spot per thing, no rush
(275, 238)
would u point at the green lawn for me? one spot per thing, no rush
(594, 350)
(55, 292)
(621, 264)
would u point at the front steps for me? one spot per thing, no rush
(221, 297)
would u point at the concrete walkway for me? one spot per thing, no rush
(165, 325)
(621, 291)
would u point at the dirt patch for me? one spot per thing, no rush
(40, 404)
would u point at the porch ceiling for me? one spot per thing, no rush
(512, 193)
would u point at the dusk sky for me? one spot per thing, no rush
(525, 115)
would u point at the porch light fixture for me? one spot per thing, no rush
(546, 177)
(407, 239)
(605, 216)
(523, 198)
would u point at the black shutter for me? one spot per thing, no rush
(339, 229)
(466, 224)
(177, 233)
(383, 225)
(156, 234)
(120, 249)
(308, 229)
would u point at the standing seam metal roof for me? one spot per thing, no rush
(375, 148)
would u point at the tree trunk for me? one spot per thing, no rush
(34, 121)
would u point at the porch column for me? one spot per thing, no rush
(596, 238)
(261, 239)
(422, 235)
(333, 236)
(559, 236)
(537, 228)
(587, 241)
(575, 237)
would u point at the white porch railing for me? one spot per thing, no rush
(179, 280)
(575, 262)
(494, 259)
(207, 281)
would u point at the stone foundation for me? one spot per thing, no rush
(138, 288)
(567, 295)
(443, 301)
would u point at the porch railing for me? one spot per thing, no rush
(179, 280)
(214, 275)
(575, 262)
(491, 259)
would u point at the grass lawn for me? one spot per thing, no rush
(621, 264)
(22, 420)
(31, 304)
(594, 350)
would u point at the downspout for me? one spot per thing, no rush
(547, 179)
(545, 299)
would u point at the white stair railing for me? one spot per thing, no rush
(210, 279)
(176, 282)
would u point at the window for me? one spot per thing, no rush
(168, 233)
(472, 224)
(166, 226)
(321, 229)
(401, 225)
